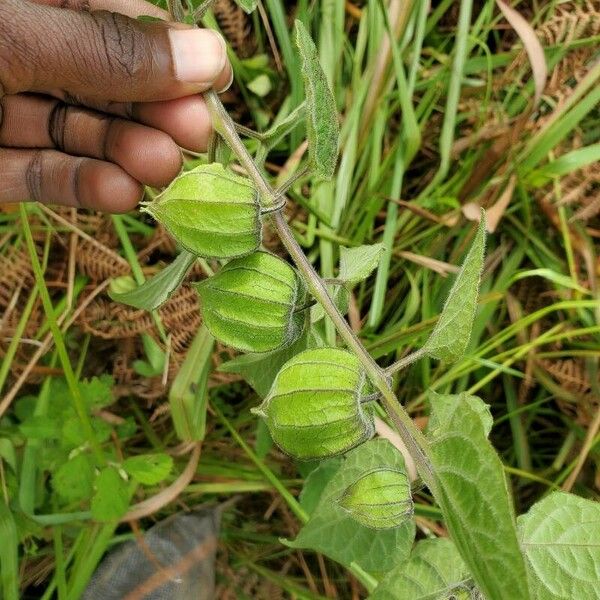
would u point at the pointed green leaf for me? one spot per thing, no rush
(560, 537)
(452, 332)
(322, 122)
(434, 571)
(444, 405)
(252, 303)
(156, 291)
(260, 370)
(111, 499)
(247, 5)
(356, 264)
(211, 212)
(474, 497)
(332, 531)
(379, 499)
(149, 469)
(314, 408)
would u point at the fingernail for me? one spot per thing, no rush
(228, 85)
(199, 55)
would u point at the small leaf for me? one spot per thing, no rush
(73, 480)
(211, 212)
(452, 332)
(247, 5)
(156, 291)
(98, 391)
(560, 537)
(149, 469)
(260, 370)
(444, 405)
(356, 264)
(314, 408)
(332, 531)
(341, 298)
(379, 499)
(252, 303)
(322, 122)
(111, 499)
(473, 495)
(434, 571)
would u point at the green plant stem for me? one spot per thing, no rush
(413, 439)
(59, 342)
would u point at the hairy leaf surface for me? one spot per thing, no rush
(156, 291)
(322, 118)
(444, 405)
(434, 571)
(476, 503)
(356, 264)
(332, 531)
(452, 332)
(560, 537)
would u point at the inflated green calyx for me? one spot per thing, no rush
(211, 212)
(314, 408)
(380, 499)
(254, 303)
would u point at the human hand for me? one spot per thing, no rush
(94, 103)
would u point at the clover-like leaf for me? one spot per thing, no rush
(156, 291)
(314, 408)
(452, 332)
(560, 537)
(356, 264)
(322, 118)
(211, 212)
(473, 495)
(334, 532)
(379, 499)
(149, 469)
(434, 571)
(111, 497)
(254, 303)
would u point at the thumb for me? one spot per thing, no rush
(105, 56)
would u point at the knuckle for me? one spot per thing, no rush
(34, 176)
(57, 125)
(122, 45)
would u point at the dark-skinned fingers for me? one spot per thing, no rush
(129, 8)
(55, 178)
(147, 154)
(104, 55)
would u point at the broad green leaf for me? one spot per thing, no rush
(332, 531)
(379, 499)
(356, 264)
(254, 303)
(316, 482)
(434, 571)
(474, 497)
(98, 391)
(247, 5)
(260, 370)
(560, 537)
(322, 118)
(156, 291)
(444, 405)
(452, 332)
(188, 396)
(314, 408)
(211, 212)
(73, 481)
(111, 498)
(149, 469)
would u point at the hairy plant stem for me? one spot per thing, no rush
(413, 439)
